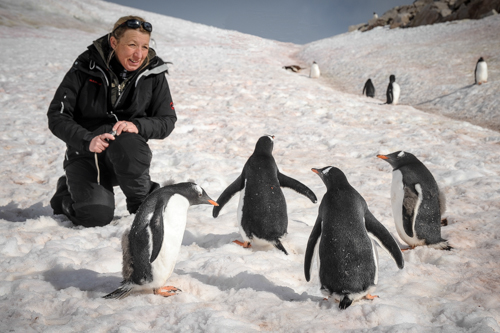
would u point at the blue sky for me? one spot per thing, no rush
(295, 21)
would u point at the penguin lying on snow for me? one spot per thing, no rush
(393, 91)
(348, 260)
(262, 215)
(417, 202)
(293, 68)
(481, 71)
(369, 89)
(151, 246)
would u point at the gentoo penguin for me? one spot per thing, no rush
(293, 68)
(151, 246)
(481, 71)
(393, 91)
(315, 73)
(348, 259)
(369, 89)
(262, 215)
(417, 202)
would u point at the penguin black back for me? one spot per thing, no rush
(369, 88)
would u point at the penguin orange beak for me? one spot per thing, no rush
(315, 171)
(213, 202)
(383, 157)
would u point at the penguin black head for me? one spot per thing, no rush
(265, 144)
(331, 175)
(194, 193)
(399, 158)
(392, 78)
(480, 59)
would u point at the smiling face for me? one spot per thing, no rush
(131, 49)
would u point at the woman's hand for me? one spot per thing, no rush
(125, 126)
(100, 142)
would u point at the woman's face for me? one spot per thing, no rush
(132, 48)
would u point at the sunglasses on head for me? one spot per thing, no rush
(134, 24)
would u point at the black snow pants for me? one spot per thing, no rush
(124, 163)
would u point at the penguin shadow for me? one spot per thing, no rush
(12, 213)
(82, 279)
(255, 282)
(209, 241)
(446, 95)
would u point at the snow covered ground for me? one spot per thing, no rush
(229, 89)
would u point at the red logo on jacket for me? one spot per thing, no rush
(172, 105)
(94, 81)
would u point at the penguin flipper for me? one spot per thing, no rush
(384, 238)
(311, 245)
(297, 186)
(410, 202)
(156, 227)
(228, 193)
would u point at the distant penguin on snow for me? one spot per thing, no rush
(393, 91)
(369, 89)
(151, 246)
(417, 202)
(481, 72)
(342, 238)
(262, 213)
(315, 73)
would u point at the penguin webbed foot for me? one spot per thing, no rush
(167, 291)
(371, 297)
(246, 245)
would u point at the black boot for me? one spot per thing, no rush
(61, 193)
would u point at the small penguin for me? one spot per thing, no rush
(345, 227)
(393, 91)
(375, 16)
(315, 73)
(369, 89)
(417, 202)
(262, 214)
(293, 68)
(481, 72)
(151, 246)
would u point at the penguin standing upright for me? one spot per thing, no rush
(262, 214)
(151, 246)
(393, 91)
(481, 71)
(417, 202)
(369, 89)
(348, 259)
(315, 72)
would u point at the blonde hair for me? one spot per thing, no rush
(119, 30)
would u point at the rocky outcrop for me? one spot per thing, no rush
(424, 12)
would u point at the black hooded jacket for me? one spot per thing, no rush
(91, 94)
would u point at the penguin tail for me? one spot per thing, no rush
(443, 245)
(280, 246)
(122, 292)
(345, 302)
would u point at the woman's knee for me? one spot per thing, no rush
(129, 154)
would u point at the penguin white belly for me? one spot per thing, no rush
(481, 72)
(174, 225)
(315, 73)
(396, 91)
(239, 213)
(397, 198)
